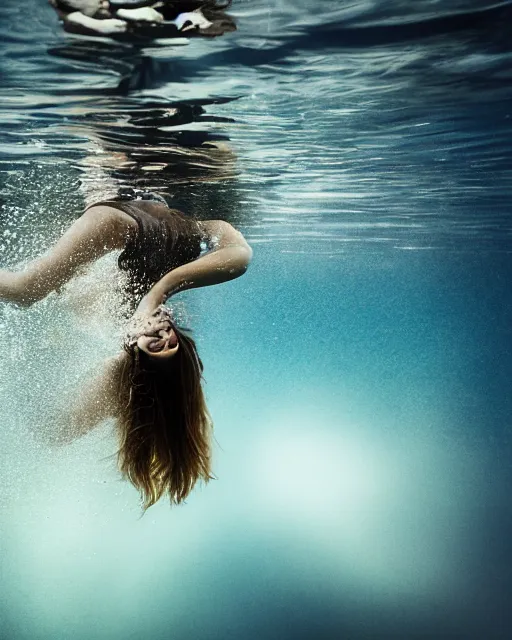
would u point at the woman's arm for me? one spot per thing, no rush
(98, 231)
(95, 402)
(227, 261)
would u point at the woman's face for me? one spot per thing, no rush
(159, 339)
(156, 335)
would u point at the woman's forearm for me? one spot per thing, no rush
(11, 289)
(226, 263)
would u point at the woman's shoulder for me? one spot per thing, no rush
(211, 231)
(109, 217)
(216, 228)
(220, 233)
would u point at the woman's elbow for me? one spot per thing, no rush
(246, 258)
(249, 253)
(238, 263)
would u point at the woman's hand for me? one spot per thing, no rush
(147, 323)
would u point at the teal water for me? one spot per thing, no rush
(362, 470)
(358, 374)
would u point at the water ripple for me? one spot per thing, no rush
(297, 135)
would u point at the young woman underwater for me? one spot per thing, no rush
(153, 387)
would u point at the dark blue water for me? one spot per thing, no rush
(358, 374)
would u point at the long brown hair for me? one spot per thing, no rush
(164, 424)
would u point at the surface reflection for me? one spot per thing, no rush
(172, 147)
(145, 20)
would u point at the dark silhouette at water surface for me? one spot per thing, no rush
(172, 147)
(145, 19)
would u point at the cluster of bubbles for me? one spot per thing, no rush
(53, 348)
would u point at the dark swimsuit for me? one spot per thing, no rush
(165, 239)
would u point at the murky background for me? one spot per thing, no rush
(358, 374)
